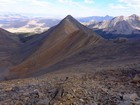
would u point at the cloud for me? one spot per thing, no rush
(40, 3)
(33, 2)
(65, 1)
(131, 3)
(118, 6)
(124, 7)
(7, 1)
(49, 8)
(79, 8)
(74, 1)
(123, 4)
(25, 6)
(89, 1)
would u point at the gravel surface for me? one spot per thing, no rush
(100, 88)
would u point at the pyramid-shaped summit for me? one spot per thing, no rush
(69, 25)
(66, 39)
(69, 19)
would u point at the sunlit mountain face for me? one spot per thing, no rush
(69, 52)
(120, 26)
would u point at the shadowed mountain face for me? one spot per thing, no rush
(60, 42)
(9, 45)
(8, 39)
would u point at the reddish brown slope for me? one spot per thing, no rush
(64, 40)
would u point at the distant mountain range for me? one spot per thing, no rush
(120, 25)
(107, 26)
(20, 23)
(95, 18)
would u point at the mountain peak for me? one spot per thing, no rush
(134, 15)
(70, 24)
(60, 42)
(107, 16)
(69, 18)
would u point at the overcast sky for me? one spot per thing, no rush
(77, 8)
